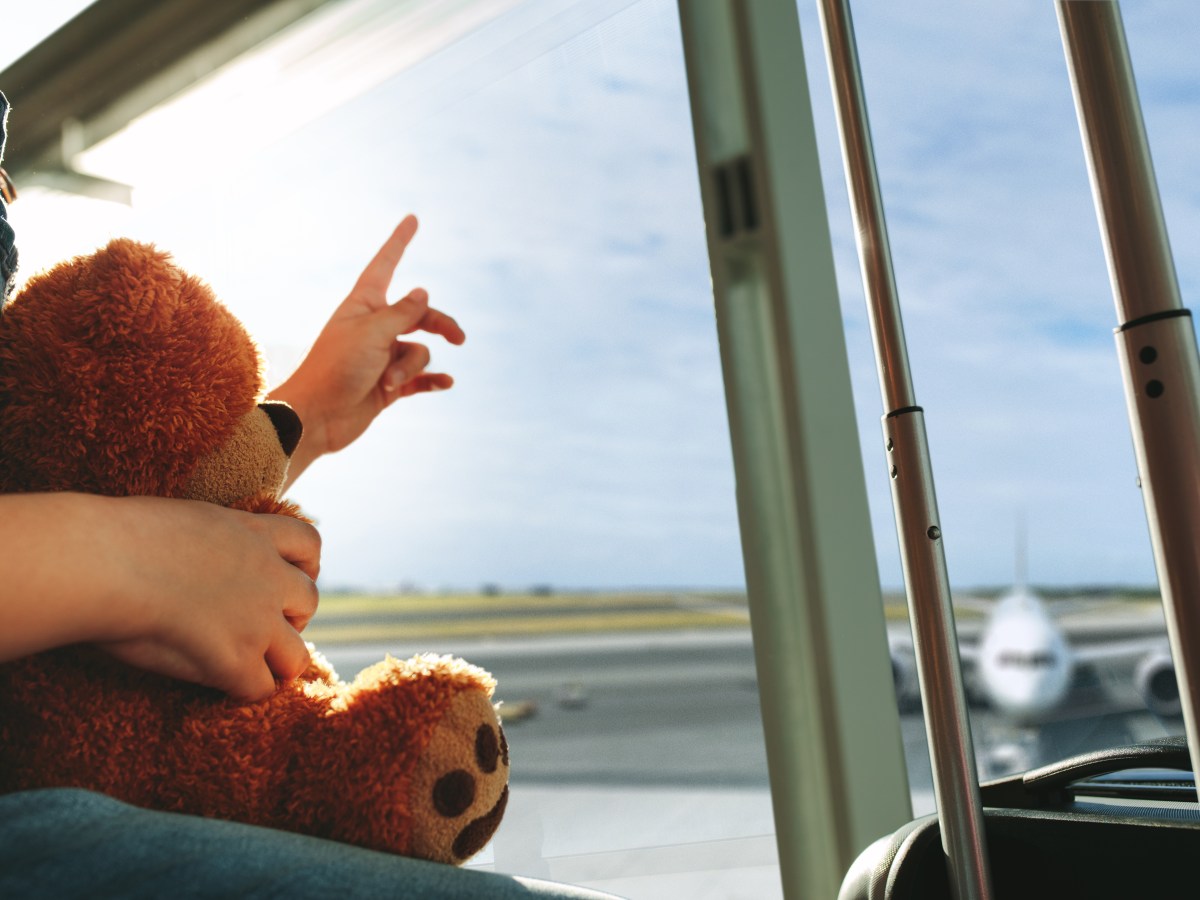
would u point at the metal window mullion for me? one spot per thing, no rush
(831, 726)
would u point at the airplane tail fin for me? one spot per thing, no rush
(1021, 554)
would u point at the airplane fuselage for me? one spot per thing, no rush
(1025, 664)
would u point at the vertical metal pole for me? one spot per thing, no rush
(955, 781)
(1156, 341)
(832, 731)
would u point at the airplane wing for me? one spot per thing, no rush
(1114, 635)
(1115, 653)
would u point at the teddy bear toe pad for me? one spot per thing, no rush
(460, 789)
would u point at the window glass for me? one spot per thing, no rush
(1009, 319)
(565, 515)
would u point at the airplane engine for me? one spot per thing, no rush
(1154, 678)
(904, 676)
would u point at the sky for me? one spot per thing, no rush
(550, 159)
(1000, 271)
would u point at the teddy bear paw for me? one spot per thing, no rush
(460, 788)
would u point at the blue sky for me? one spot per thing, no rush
(585, 444)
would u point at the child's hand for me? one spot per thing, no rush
(179, 587)
(357, 367)
(211, 595)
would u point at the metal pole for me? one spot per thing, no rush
(1155, 339)
(955, 781)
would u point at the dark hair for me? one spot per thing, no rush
(8, 240)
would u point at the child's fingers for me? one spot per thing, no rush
(408, 361)
(299, 544)
(288, 655)
(405, 314)
(300, 608)
(426, 382)
(256, 683)
(437, 322)
(413, 313)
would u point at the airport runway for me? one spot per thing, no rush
(682, 709)
(632, 689)
(662, 709)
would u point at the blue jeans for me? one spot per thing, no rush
(67, 843)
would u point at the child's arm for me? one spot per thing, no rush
(180, 587)
(357, 367)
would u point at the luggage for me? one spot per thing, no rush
(1118, 823)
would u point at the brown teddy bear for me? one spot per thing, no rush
(121, 375)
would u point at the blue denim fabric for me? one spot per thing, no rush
(64, 843)
(8, 245)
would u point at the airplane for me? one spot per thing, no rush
(1024, 663)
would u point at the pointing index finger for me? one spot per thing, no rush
(377, 276)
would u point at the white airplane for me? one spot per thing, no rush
(1024, 663)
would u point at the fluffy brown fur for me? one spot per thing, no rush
(120, 375)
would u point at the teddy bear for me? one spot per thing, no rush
(120, 374)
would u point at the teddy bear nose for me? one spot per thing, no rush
(286, 422)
